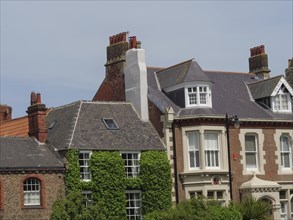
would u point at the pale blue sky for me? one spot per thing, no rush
(58, 48)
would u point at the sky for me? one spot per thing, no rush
(58, 48)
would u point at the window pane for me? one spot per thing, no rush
(284, 102)
(133, 206)
(251, 160)
(131, 163)
(84, 163)
(192, 99)
(285, 160)
(211, 149)
(193, 148)
(284, 143)
(250, 143)
(31, 192)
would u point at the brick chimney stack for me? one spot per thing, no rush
(37, 118)
(5, 113)
(258, 62)
(113, 86)
(289, 72)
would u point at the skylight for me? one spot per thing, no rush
(110, 123)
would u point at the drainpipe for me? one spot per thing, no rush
(175, 164)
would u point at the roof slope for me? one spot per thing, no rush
(14, 128)
(230, 94)
(263, 88)
(188, 71)
(80, 126)
(26, 153)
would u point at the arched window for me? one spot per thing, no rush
(32, 191)
(286, 156)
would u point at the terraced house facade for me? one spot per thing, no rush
(193, 109)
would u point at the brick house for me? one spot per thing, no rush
(190, 107)
(31, 173)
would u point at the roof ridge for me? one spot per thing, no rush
(265, 80)
(227, 72)
(66, 105)
(74, 124)
(107, 102)
(178, 64)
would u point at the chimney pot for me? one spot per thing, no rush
(124, 36)
(33, 98)
(38, 98)
(290, 63)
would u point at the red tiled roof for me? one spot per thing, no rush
(17, 127)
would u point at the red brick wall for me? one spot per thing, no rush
(52, 186)
(5, 113)
(270, 166)
(155, 118)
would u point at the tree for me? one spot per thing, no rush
(251, 208)
(197, 209)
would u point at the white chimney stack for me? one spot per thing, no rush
(136, 86)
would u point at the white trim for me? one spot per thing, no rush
(74, 126)
(198, 104)
(278, 86)
(261, 152)
(90, 155)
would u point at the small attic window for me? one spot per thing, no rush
(198, 96)
(110, 123)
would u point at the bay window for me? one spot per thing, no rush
(212, 151)
(193, 149)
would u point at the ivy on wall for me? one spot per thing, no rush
(108, 175)
(109, 181)
(155, 175)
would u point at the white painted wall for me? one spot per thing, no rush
(136, 86)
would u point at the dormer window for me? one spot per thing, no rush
(281, 102)
(199, 95)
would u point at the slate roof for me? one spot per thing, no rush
(230, 94)
(27, 154)
(263, 88)
(79, 125)
(188, 71)
(14, 128)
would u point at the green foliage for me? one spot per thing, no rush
(133, 183)
(72, 176)
(252, 208)
(108, 176)
(108, 185)
(196, 209)
(156, 182)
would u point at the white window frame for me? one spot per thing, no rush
(137, 205)
(212, 154)
(197, 91)
(131, 169)
(283, 210)
(32, 192)
(256, 152)
(287, 152)
(195, 151)
(277, 101)
(88, 198)
(86, 166)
